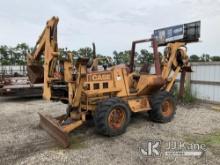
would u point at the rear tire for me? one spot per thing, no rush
(163, 107)
(112, 117)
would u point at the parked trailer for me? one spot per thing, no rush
(19, 86)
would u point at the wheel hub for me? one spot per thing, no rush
(167, 108)
(116, 118)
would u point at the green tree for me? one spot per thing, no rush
(4, 55)
(75, 53)
(116, 57)
(85, 52)
(14, 55)
(205, 58)
(104, 60)
(215, 58)
(145, 57)
(20, 52)
(194, 58)
(122, 57)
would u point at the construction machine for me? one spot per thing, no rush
(109, 94)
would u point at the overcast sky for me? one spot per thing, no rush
(111, 24)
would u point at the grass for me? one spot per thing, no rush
(215, 108)
(77, 142)
(212, 141)
(188, 97)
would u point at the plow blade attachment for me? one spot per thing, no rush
(53, 127)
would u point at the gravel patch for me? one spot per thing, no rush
(23, 142)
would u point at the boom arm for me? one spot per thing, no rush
(176, 59)
(47, 46)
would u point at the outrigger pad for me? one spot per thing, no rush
(54, 129)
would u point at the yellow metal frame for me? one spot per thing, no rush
(93, 85)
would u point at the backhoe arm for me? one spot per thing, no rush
(48, 47)
(176, 60)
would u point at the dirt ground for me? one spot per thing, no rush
(23, 142)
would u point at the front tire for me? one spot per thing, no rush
(112, 117)
(163, 107)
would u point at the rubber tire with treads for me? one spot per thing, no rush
(102, 113)
(156, 114)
